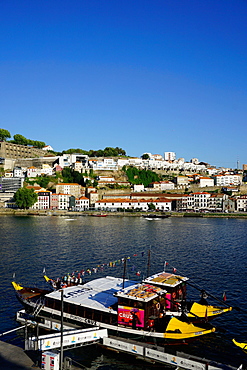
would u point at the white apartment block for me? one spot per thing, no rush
(224, 180)
(43, 201)
(197, 201)
(170, 156)
(215, 202)
(241, 203)
(202, 201)
(63, 201)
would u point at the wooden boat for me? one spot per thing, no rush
(122, 306)
(174, 301)
(243, 346)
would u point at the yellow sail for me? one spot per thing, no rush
(178, 329)
(203, 311)
(243, 346)
(17, 286)
(46, 278)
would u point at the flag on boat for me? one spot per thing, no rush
(224, 296)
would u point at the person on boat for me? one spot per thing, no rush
(203, 300)
(58, 283)
(135, 319)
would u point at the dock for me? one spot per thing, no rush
(15, 358)
(36, 347)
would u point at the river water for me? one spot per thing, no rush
(211, 252)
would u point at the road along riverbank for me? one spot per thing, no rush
(30, 212)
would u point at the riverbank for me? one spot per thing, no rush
(28, 212)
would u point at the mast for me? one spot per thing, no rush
(124, 274)
(148, 266)
(61, 347)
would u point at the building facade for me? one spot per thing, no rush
(13, 151)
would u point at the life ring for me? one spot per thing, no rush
(173, 295)
(158, 306)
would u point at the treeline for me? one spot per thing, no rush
(138, 177)
(107, 152)
(20, 139)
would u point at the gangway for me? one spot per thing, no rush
(71, 339)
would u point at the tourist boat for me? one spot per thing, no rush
(124, 307)
(174, 299)
(243, 346)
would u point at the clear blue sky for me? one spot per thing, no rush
(143, 75)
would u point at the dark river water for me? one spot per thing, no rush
(211, 252)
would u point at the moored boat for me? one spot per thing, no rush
(174, 299)
(155, 216)
(122, 306)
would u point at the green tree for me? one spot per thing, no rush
(71, 176)
(43, 181)
(151, 206)
(25, 198)
(4, 134)
(20, 139)
(144, 177)
(145, 156)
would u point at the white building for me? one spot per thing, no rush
(138, 188)
(197, 201)
(32, 171)
(241, 203)
(166, 185)
(46, 170)
(18, 172)
(43, 201)
(81, 204)
(161, 204)
(206, 181)
(63, 201)
(48, 147)
(229, 179)
(170, 156)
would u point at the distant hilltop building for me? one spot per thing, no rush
(48, 147)
(170, 156)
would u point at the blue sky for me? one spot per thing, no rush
(143, 75)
